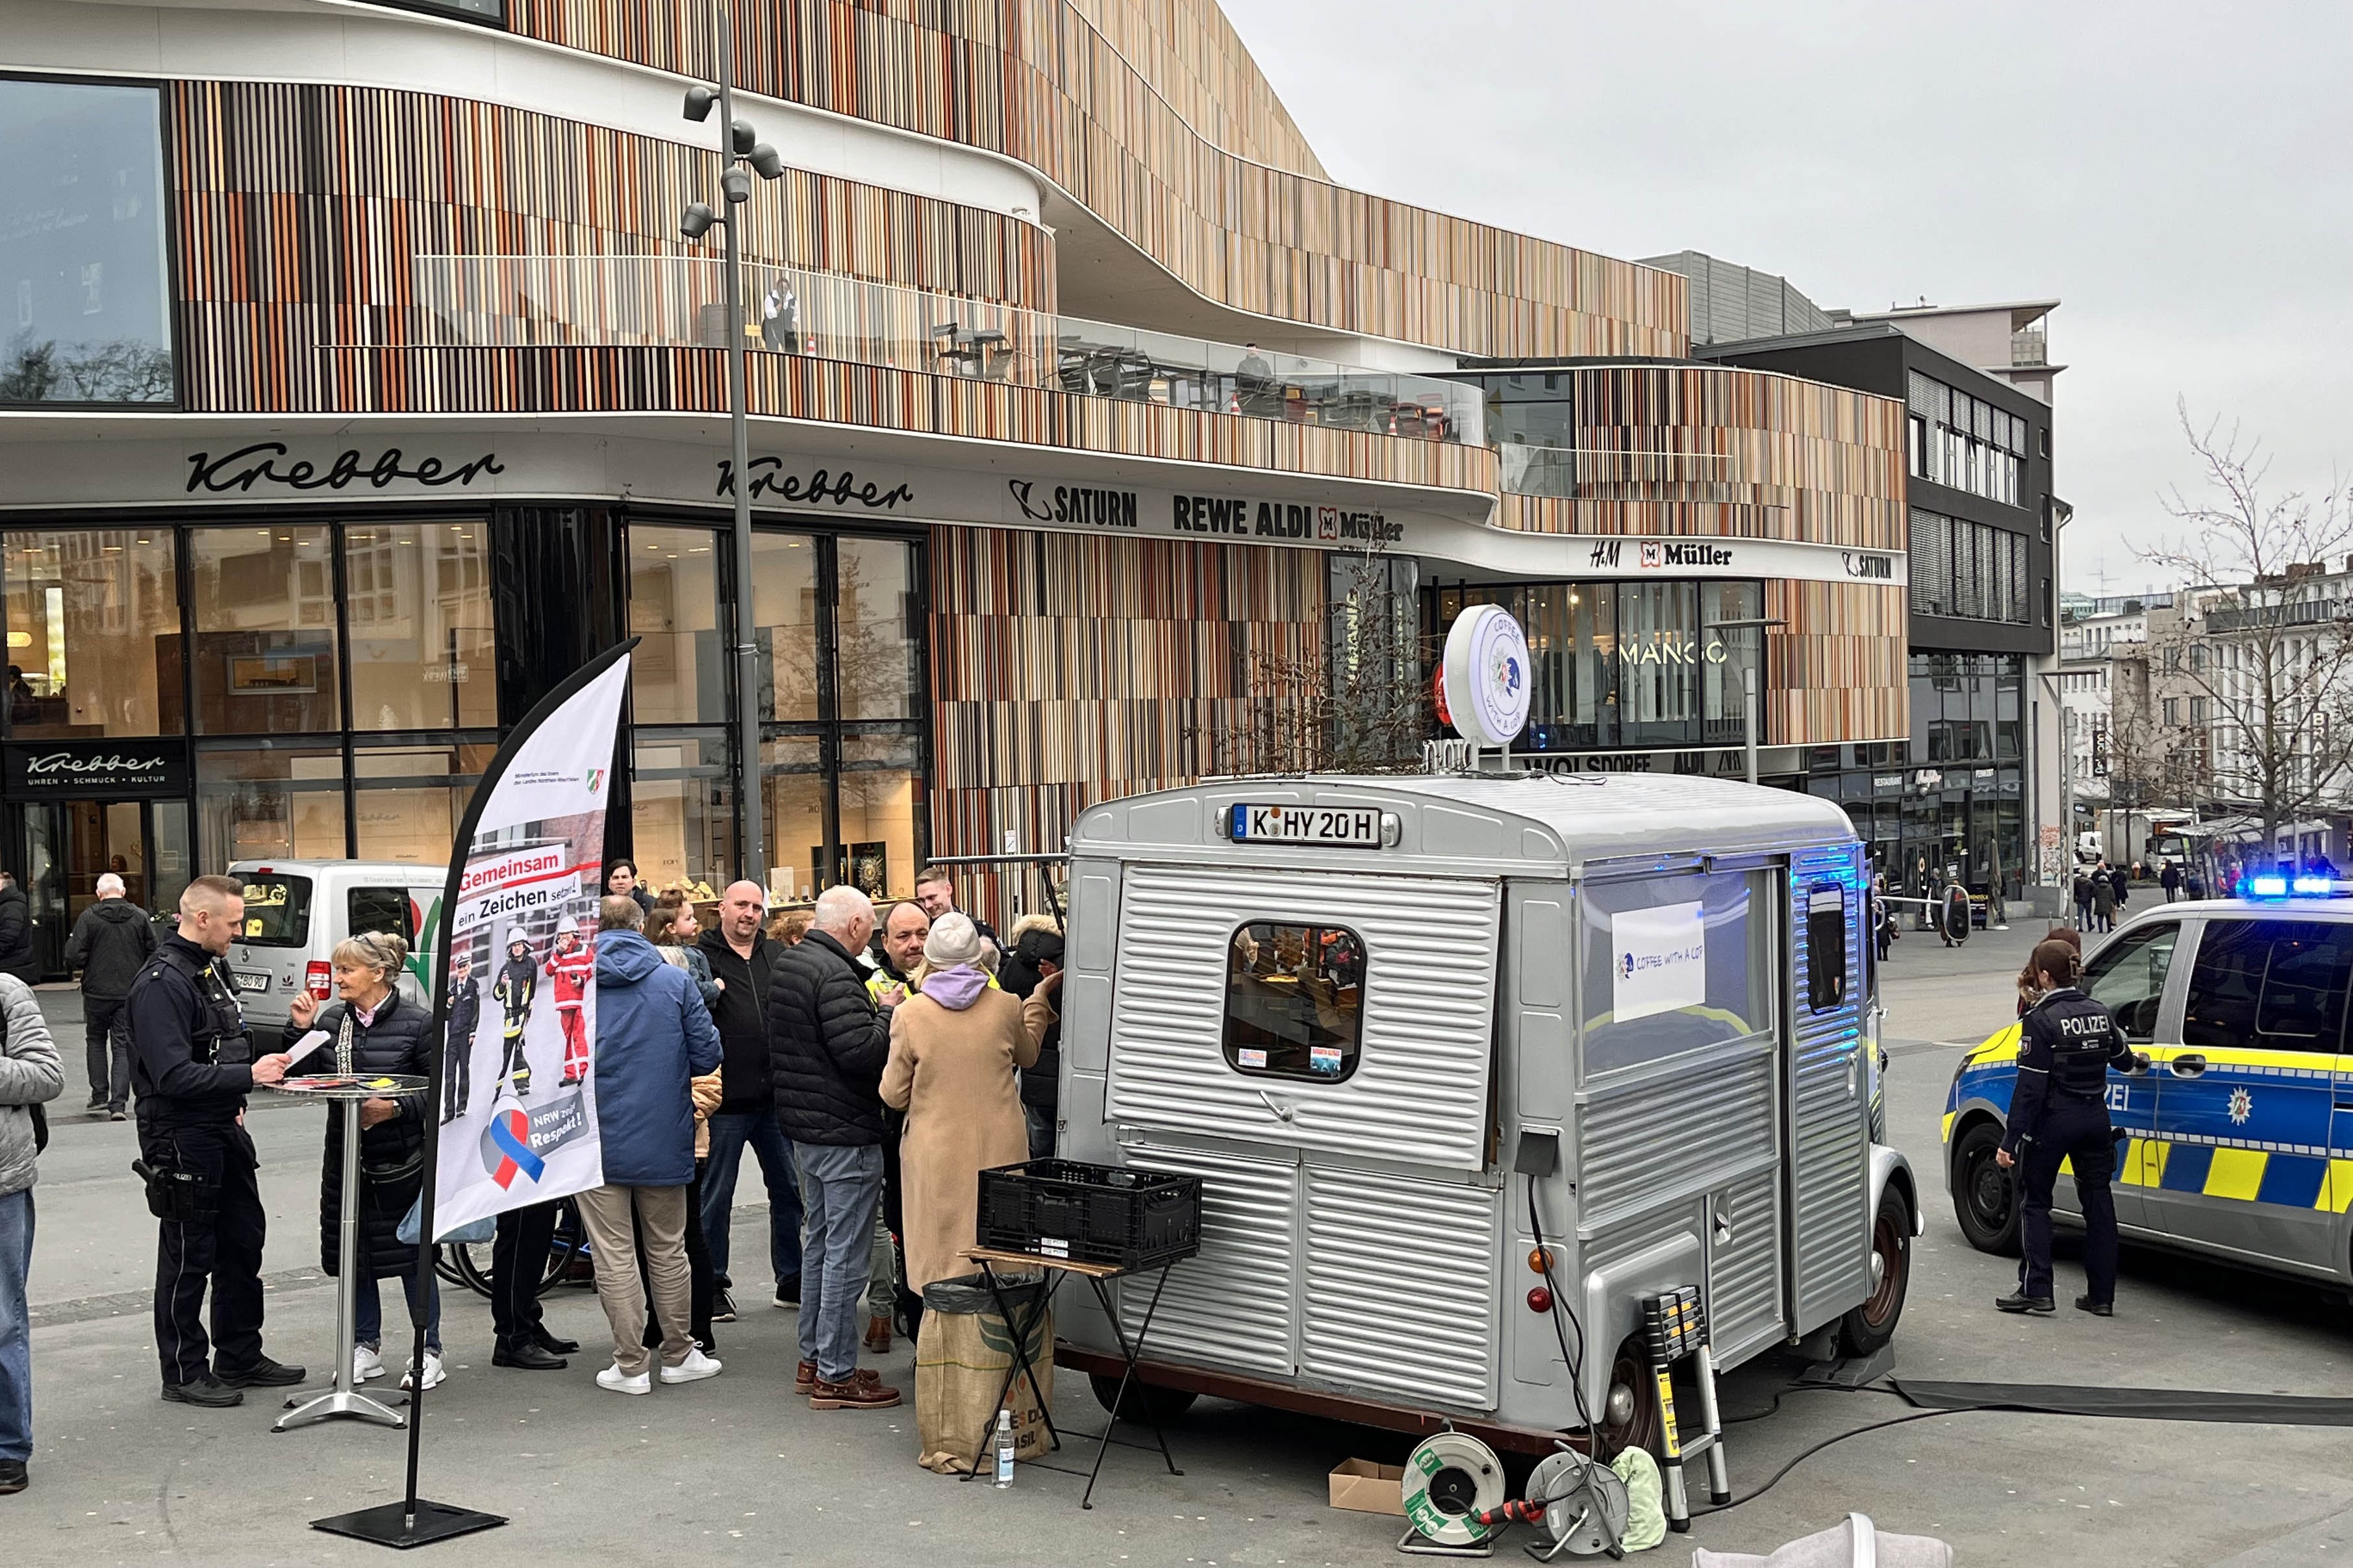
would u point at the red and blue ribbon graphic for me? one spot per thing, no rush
(511, 1133)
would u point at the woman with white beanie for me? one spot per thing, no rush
(954, 1049)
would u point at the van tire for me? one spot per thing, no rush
(1985, 1196)
(1144, 1402)
(1871, 1325)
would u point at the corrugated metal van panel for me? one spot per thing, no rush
(1420, 1090)
(1401, 1287)
(1744, 1273)
(1672, 1136)
(1233, 1303)
(1830, 1157)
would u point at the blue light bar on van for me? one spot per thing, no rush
(2276, 885)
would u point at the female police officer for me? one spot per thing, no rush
(2059, 1111)
(192, 1065)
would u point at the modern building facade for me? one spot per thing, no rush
(355, 385)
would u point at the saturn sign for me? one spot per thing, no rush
(1487, 677)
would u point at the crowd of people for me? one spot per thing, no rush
(872, 1073)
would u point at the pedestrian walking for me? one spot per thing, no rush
(2103, 900)
(955, 1050)
(743, 962)
(16, 931)
(30, 1077)
(2171, 880)
(2123, 883)
(2059, 1112)
(2083, 895)
(110, 942)
(654, 1037)
(374, 1030)
(192, 1065)
(827, 1044)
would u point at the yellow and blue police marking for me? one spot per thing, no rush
(2208, 1144)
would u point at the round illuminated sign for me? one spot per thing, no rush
(1487, 676)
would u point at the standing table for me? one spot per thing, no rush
(1096, 1275)
(348, 1089)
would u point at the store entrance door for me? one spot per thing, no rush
(66, 845)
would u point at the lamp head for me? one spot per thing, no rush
(737, 184)
(699, 100)
(767, 161)
(741, 137)
(696, 221)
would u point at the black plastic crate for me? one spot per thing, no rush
(1091, 1214)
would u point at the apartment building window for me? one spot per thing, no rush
(2196, 711)
(1965, 442)
(1968, 571)
(2172, 711)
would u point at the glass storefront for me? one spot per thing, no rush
(1637, 666)
(305, 685)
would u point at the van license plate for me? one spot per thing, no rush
(248, 981)
(1346, 826)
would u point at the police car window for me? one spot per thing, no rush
(1294, 1001)
(2272, 985)
(2128, 977)
(277, 910)
(380, 908)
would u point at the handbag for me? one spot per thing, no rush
(473, 1233)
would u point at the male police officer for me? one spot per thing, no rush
(192, 1065)
(2058, 1111)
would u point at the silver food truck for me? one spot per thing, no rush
(1401, 1028)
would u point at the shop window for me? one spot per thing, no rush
(679, 674)
(682, 817)
(94, 633)
(792, 799)
(267, 803)
(423, 653)
(784, 603)
(408, 800)
(1294, 1001)
(881, 790)
(85, 302)
(875, 636)
(265, 621)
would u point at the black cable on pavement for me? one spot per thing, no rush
(1810, 1452)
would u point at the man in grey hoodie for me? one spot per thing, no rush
(111, 942)
(29, 1078)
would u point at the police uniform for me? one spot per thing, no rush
(191, 1067)
(457, 1069)
(2058, 1111)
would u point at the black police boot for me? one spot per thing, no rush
(2020, 1302)
(263, 1374)
(550, 1344)
(204, 1389)
(2098, 1309)
(526, 1357)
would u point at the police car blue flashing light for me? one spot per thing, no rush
(2272, 885)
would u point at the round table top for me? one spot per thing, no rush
(350, 1086)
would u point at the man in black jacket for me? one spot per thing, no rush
(1037, 954)
(742, 959)
(109, 943)
(827, 1046)
(17, 931)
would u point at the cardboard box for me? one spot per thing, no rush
(1364, 1487)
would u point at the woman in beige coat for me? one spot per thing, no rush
(954, 1049)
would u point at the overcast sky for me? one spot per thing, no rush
(2178, 175)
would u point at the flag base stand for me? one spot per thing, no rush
(393, 1524)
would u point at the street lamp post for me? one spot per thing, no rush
(740, 148)
(1748, 687)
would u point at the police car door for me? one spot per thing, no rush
(2130, 975)
(2244, 1102)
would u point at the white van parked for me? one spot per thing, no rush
(297, 911)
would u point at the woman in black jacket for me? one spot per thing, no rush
(372, 1028)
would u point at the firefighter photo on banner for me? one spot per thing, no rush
(518, 1102)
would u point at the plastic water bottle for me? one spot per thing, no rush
(1005, 1447)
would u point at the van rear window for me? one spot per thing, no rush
(277, 910)
(1294, 1001)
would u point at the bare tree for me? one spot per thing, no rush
(1351, 702)
(2277, 669)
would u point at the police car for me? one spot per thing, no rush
(2240, 1135)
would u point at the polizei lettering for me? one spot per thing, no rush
(817, 485)
(258, 465)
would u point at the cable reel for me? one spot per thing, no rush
(1586, 1506)
(1452, 1479)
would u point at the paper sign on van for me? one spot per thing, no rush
(1658, 961)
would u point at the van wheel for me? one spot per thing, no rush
(1985, 1196)
(1629, 1407)
(1144, 1402)
(1873, 1324)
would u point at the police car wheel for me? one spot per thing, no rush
(1873, 1324)
(1985, 1198)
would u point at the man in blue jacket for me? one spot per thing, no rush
(653, 1033)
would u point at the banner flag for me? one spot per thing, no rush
(518, 1093)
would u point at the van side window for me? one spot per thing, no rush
(1294, 1001)
(380, 908)
(2275, 985)
(2128, 977)
(1825, 949)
